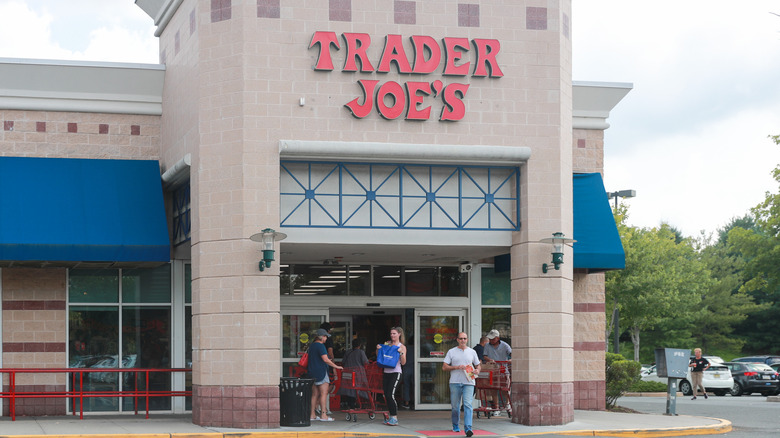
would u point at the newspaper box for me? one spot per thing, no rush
(672, 362)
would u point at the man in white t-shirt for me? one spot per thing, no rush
(464, 366)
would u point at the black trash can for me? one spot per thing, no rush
(295, 401)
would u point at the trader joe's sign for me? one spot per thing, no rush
(412, 98)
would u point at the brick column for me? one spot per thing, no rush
(589, 341)
(542, 303)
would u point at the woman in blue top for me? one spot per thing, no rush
(318, 370)
(392, 376)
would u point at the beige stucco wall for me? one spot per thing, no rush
(249, 74)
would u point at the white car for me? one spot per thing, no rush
(716, 379)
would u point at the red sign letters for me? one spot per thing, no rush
(391, 99)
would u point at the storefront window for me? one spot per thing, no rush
(146, 285)
(94, 343)
(93, 286)
(313, 280)
(495, 288)
(453, 283)
(146, 343)
(421, 282)
(387, 281)
(133, 333)
(496, 303)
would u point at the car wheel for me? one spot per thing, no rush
(720, 392)
(736, 390)
(685, 387)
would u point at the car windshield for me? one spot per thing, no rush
(759, 367)
(718, 368)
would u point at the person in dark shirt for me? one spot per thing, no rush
(698, 364)
(480, 348)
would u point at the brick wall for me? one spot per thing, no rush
(34, 333)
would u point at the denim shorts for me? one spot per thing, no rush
(325, 380)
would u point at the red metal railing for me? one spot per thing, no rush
(77, 392)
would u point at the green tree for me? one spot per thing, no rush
(725, 305)
(760, 247)
(663, 279)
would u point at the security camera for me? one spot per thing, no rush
(466, 267)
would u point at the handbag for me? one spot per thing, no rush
(304, 360)
(388, 356)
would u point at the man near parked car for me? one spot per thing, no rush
(698, 364)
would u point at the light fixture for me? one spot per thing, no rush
(267, 237)
(558, 240)
(621, 194)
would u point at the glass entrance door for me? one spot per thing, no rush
(298, 328)
(436, 332)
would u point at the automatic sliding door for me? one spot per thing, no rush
(436, 333)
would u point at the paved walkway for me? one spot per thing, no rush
(412, 423)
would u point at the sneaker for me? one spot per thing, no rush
(455, 428)
(392, 422)
(705, 396)
(469, 432)
(693, 398)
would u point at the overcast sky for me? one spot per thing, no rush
(690, 138)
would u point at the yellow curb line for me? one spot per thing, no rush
(270, 434)
(723, 427)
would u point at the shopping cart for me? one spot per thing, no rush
(492, 386)
(367, 384)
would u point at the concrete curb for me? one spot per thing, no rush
(724, 426)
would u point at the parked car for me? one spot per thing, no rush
(716, 379)
(776, 366)
(769, 360)
(753, 377)
(714, 359)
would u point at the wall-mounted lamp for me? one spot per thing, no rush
(267, 237)
(558, 240)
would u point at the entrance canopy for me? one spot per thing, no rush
(598, 244)
(81, 210)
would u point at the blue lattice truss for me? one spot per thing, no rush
(399, 196)
(181, 215)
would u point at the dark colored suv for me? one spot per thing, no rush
(769, 360)
(753, 377)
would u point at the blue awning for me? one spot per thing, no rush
(64, 209)
(598, 243)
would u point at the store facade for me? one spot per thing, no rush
(415, 154)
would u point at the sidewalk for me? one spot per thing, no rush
(412, 423)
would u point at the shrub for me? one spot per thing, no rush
(645, 386)
(621, 375)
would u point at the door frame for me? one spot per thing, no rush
(323, 313)
(419, 312)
